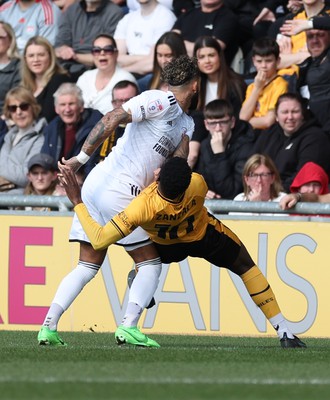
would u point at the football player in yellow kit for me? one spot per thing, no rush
(172, 212)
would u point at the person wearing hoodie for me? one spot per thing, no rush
(311, 178)
(224, 152)
(22, 141)
(294, 139)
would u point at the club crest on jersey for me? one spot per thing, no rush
(155, 106)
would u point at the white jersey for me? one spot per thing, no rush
(156, 130)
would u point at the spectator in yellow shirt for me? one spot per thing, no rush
(261, 96)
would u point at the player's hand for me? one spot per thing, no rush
(72, 163)
(288, 201)
(68, 180)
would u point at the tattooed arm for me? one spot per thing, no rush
(101, 131)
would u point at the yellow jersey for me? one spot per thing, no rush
(166, 221)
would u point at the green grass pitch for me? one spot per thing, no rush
(185, 367)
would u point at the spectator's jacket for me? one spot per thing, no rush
(54, 137)
(9, 77)
(223, 171)
(311, 172)
(309, 143)
(315, 74)
(14, 159)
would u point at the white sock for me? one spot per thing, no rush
(145, 282)
(279, 324)
(68, 290)
(132, 315)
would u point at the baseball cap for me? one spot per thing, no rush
(43, 160)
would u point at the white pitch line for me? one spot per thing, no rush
(176, 381)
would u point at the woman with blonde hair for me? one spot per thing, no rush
(42, 74)
(261, 180)
(24, 139)
(9, 61)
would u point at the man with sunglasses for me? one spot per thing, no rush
(158, 127)
(224, 152)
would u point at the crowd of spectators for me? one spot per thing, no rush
(262, 112)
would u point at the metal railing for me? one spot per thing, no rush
(62, 203)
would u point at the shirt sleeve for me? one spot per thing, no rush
(101, 237)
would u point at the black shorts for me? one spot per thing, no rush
(217, 246)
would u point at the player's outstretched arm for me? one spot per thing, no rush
(101, 237)
(97, 135)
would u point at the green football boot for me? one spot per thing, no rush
(49, 338)
(133, 336)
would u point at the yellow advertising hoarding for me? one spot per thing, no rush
(192, 298)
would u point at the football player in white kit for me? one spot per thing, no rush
(158, 127)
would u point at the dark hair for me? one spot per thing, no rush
(218, 108)
(297, 97)
(107, 36)
(180, 71)
(265, 46)
(124, 84)
(229, 82)
(176, 43)
(174, 177)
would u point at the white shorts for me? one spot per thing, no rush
(104, 197)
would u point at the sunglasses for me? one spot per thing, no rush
(23, 107)
(96, 51)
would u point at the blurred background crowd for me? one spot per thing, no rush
(262, 112)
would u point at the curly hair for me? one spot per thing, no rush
(180, 71)
(174, 177)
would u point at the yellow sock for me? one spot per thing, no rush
(261, 292)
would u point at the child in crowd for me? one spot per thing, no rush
(311, 178)
(261, 96)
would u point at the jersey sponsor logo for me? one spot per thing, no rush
(138, 34)
(210, 26)
(155, 106)
(164, 147)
